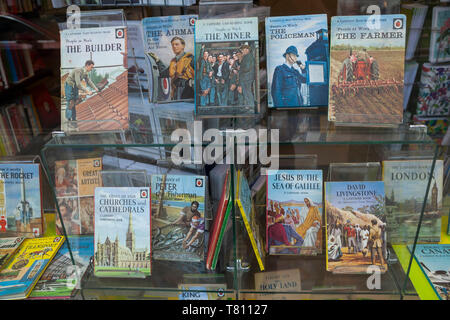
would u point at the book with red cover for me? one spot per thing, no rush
(218, 221)
(48, 113)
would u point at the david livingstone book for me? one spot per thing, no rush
(297, 61)
(294, 212)
(366, 70)
(94, 79)
(122, 232)
(227, 57)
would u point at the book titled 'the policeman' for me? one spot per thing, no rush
(297, 61)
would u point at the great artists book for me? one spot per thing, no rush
(178, 217)
(366, 70)
(297, 61)
(20, 199)
(75, 182)
(227, 58)
(355, 227)
(94, 79)
(294, 212)
(122, 232)
(169, 46)
(406, 183)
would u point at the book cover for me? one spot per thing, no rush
(366, 70)
(8, 246)
(434, 261)
(20, 198)
(169, 46)
(294, 212)
(227, 57)
(439, 36)
(245, 205)
(433, 98)
(75, 182)
(204, 291)
(122, 232)
(178, 217)
(297, 61)
(355, 226)
(406, 183)
(94, 79)
(19, 277)
(280, 280)
(45, 108)
(62, 277)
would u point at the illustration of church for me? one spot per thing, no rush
(113, 254)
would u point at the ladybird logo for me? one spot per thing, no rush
(199, 183)
(192, 21)
(96, 163)
(144, 193)
(221, 293)
(119, 33)
(398, 23)
(57, 239)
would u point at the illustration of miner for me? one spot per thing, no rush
(247, 75)
(73, 85)
(287, 80)
(180, 70)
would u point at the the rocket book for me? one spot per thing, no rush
(122, 232)
(169, 47)
(294, 212)
(297, 61)
(20, 199)
(367, 56)
(227, 70)
(75, 182)
(25, 268)
(355, 226)
(94, 79)
(406, 183)
(178, 217)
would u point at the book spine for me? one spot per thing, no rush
(4, 137)
(221, 235)
(26, 127)
(30, 115)
(11, 66)
(15, 132)
(28, 63)
(3, 74)
(9, 134)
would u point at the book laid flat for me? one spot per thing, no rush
(8, 246)
(355, 226)
(122, 232)
(94, 79)
(169, 46)
(21, 199)
(227, 87)
(366, 70)
(19, 277)
(178, 217)
(297, 61)
(294, 212)
(406, 183)
(75, 182)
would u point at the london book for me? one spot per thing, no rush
(227, 58)
(294, 212)
(25, 268)
(367, 56)
(122, 232)
(297, 61)
(20, 199)
(178, 217)
(75, 182)
(62, 278)
(169, 46)
(94, 79)
(356, 227)
(406, 183)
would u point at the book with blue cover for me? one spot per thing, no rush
(297, 61)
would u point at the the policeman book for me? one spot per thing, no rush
(356, 227)
(227, 58)
(94, 79)
(20, 199)
(366, 70)
(294, 212)
(297, 61)
(178, 217)
(406, 183)
(122, 232)
(169, 47)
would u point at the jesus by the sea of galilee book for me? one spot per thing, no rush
(122, 232)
